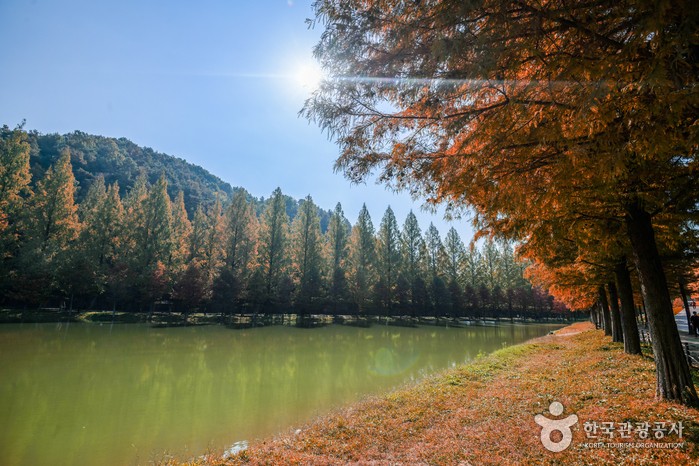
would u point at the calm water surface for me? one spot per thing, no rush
(131, 394)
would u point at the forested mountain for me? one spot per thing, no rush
(122, 161)
(128, 240)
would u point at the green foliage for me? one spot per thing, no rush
(122, 161)
(273, 244)
(307, 259)
(14, 174)
(227, 254)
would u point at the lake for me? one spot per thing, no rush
(131, 394)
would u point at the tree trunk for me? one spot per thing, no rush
(673, 380)
(685, 301)
(607, 319)
(629, 325)
(617, 333)
(598, 317)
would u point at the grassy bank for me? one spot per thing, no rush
(483, 413)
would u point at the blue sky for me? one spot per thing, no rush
(212, 82)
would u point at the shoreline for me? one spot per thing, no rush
(179, 319)
(483, 413)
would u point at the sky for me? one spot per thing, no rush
(212, 82)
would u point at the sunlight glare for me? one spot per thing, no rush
(309, 75)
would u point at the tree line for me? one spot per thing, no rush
(144, 252)
(567, 126)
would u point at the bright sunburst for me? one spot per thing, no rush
(309, 75)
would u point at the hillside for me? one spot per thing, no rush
(121, 160)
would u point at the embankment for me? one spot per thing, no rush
(483, 413)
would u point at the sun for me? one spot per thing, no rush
(309, 75)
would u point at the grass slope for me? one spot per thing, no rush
(483, 413)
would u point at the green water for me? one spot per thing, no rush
(86, 394)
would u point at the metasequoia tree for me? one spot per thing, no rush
(101, 214)
(14, 183)
(593, 246)
(337, 238)
(181, 231)
(241, 235)
(387, 258)
(511, 107)
(362, 258)
(14, 173)
(54, 216)
(306, 255)
(411, 243)
(273, 244)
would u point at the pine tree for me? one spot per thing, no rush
(134, 219)
(412, 246)
(388, 258)
(14, 174)
(337, 240)
(435, 251)
(511, 274)
(14, 187)
(454, 253)
(150, 245)
(53, 227)
(362, 259)
(307, 258)
(436, 259)
(181, 232)
(273, 245)
(241, 234)
(197, 239)
(53, 210)
(214, 247)
(240, 247)
(491, 264)
(102, 215)
(157, 234)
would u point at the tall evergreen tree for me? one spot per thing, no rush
(388, 258)
(411, 244)
(362, 259)
(454, 253)
(102, 215)
(54, 212)
(14, 185)
(273, 244)
(435, 251)
(149, 226)
(214, 247)
(240, 235)
(14, 173)
(412, 252)
(53, 227)
(307, 258)
(197, 240)
(436, 257)
(337, 240)
(181, 234)
(157, 234)
(491, 264)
